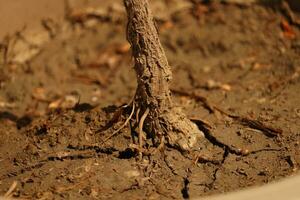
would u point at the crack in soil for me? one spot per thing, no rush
(22, 170)
(186, 182)
(81, 156)
(215, 141)
(97, 149)
(214, 176)
(170, 167)
(91, 152)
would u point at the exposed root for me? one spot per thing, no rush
(121, 127)
(175, 129)
(267, 130)
(141, 124)
(171, 127)
(180, 132)
(137, 115)
(252, 123)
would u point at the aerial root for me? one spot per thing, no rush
(142, 136)
(121, 127)
(137, 115)
(141, 124)
(174, 137)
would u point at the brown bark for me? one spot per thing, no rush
(153, 77)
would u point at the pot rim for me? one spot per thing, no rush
(287, 188)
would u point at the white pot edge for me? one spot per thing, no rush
(285, 189)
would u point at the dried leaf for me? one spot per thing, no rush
(123, 48)
(7, 105)
(211, 84)
(288, 32)
(39, 94)
(225, 87)
(55, 104)
(68, 101)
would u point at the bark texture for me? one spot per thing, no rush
(153, 77)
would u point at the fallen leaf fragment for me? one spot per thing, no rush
(123, 48)
(39, 94)
(68, 101)
(6, 105)
(211, 84)
(55, 104)
(288, 31)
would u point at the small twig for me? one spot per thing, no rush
(291, 161)
(255, 124)
(204, 159)
(289, 14)
(204, 123)
(11, 189)
(121, 127)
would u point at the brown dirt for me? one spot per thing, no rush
(236, 74)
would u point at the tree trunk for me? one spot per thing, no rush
(153, 97)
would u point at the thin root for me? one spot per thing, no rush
(141, 124)
(121, 127)
(137, 115)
